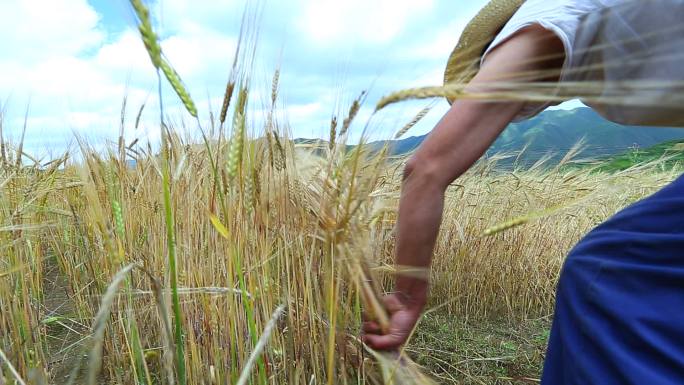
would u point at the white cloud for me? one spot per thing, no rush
(36, 35)
(439, 46)
(37, 30)
(175, 15)
(42, 65)
(303, 111)
(361, 21)
(125, 54)
(56, 58)
(434, 77)
(199, 53)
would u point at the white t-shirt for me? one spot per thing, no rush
(632, 49)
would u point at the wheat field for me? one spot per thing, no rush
(249, 258)
(291, 231)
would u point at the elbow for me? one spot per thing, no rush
(409, 168)
(426, 173)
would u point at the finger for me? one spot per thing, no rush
(368, 314)
(383, 342)
(393, 304)
(371, 327)
(365, 316)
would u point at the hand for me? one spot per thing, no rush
(403, 315)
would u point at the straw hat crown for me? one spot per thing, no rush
(464, 61)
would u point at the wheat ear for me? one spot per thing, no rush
(420, 115)
(178, 86)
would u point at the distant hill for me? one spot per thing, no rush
(671, 152)
(556, 131)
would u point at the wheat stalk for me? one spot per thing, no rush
(353, 110)
(151, 41)
(420, 115)
(226, 100)
(100, 321)
(147, 34)
(274, 86)
(11, 368)
(261, 344)
(333, 132)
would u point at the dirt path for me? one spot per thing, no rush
(66, 334)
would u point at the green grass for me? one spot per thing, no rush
(494, 352)
(671, 153)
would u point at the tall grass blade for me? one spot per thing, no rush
(261, 344)
(100, 322)
(11, 368)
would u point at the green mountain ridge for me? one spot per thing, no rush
(669, 154)
(555, 132)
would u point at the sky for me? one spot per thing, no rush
(67, 64)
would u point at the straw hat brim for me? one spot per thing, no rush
(464, 61)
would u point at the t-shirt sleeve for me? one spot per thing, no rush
(562, 17)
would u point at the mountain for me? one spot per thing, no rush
(668, 154)
(557, 131)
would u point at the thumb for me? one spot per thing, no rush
(390, 341)
(393, 304)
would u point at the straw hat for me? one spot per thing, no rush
(464, 61)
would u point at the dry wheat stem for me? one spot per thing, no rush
(100, 321)
(11, 368)
(261, 344)
(598, 92)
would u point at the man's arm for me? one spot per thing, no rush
(458, 140)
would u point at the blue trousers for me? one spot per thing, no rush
(619, 316)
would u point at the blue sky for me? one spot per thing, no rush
(71, 61)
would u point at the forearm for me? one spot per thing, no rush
(420, 215)
(469, 127)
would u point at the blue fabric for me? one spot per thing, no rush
(619, 316)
